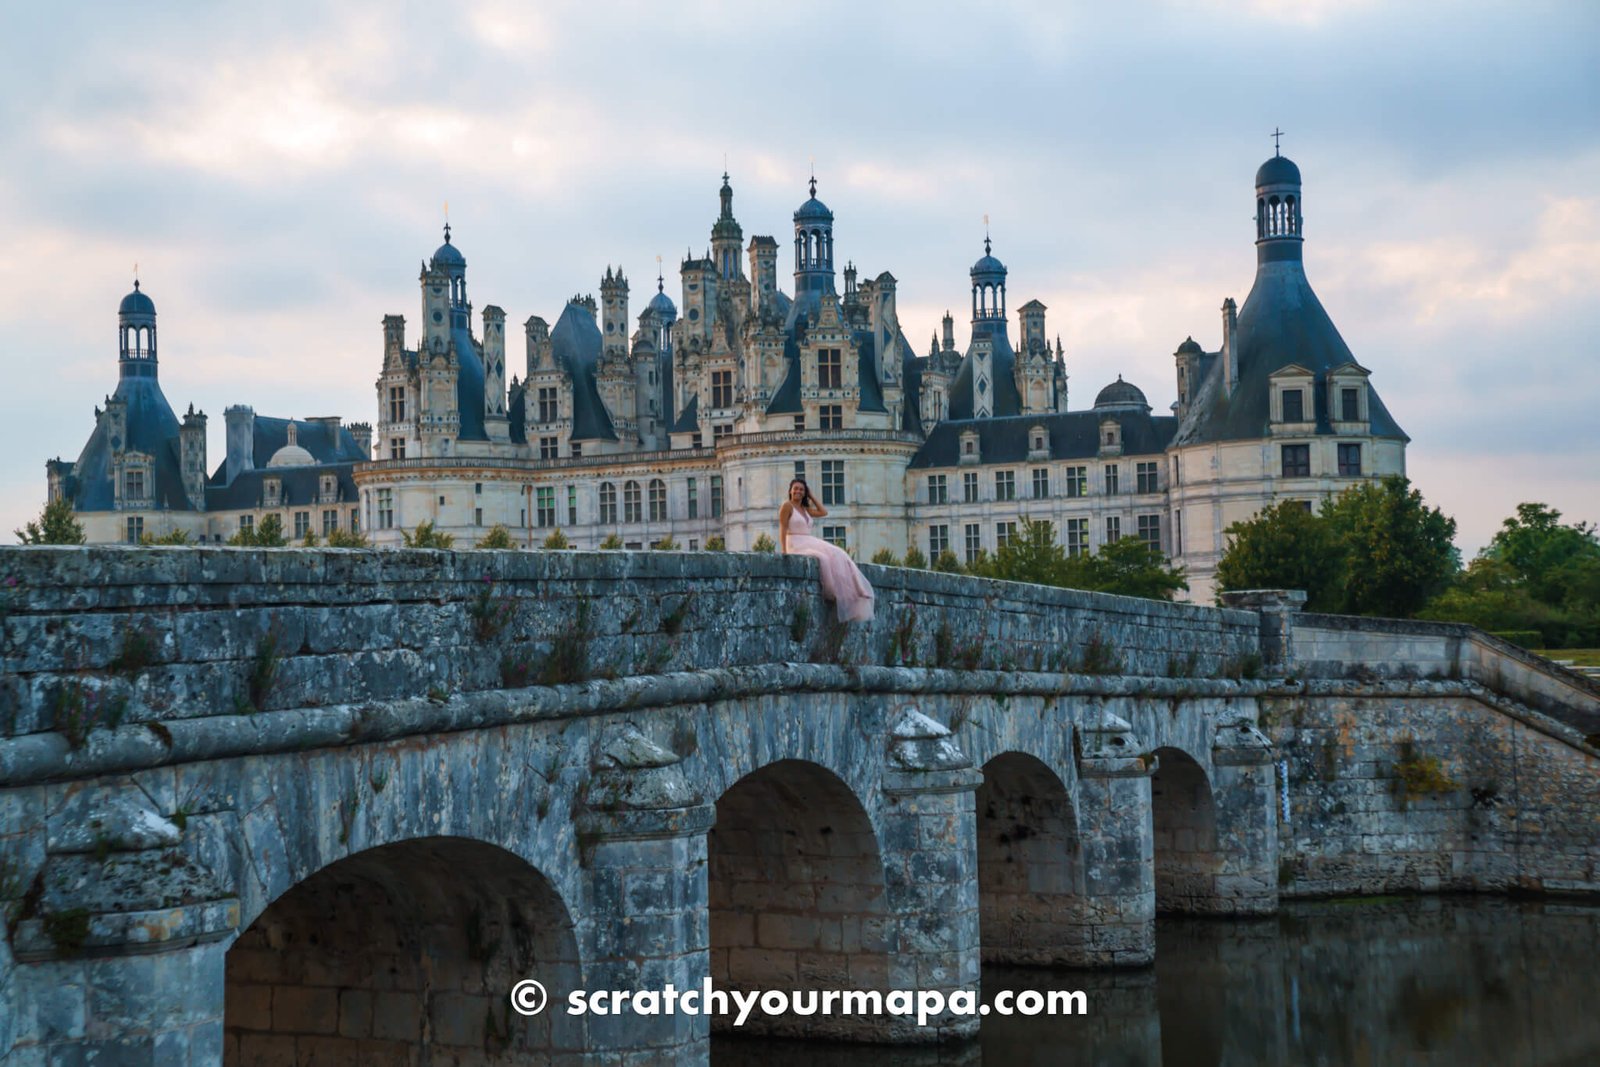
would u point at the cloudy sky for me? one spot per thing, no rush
(278, 171)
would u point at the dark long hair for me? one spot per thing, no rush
(805, 501)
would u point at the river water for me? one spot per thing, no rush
(1423, 980)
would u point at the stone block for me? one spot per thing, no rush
(305, 1009)
(397, 1017)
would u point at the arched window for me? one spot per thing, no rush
(630, 503)
(658, 500)
(608, 503)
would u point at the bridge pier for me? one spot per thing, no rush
(1119, 897)
(1245, 792)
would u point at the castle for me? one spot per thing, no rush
(691, 426)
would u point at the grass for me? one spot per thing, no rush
(1579, 657)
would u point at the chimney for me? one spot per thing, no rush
(192, 447)
(241, 423)
(362, 432)
(1230, 343)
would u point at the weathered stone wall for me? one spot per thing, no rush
(1431, 791)
(159, 634)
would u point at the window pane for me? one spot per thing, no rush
(1294, 405)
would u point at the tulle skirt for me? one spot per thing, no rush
(842, 582)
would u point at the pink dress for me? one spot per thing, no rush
(842, 582)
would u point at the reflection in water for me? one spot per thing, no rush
(1429, 980)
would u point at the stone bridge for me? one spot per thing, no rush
(279, 806)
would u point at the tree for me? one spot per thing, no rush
(1127, 567)
(1376, 549)
(309, 540)
(56, 526)
(915, 559)
(947, 563)
(764, 544)
(1398, 553)
(425, 536)
(666, 544)
(612, 542)
(176, 536)
(885, 557)
(1032, 555)
(1284, 547)
(497, 537)
(557, 540)
(343, 538)
(1545, 554)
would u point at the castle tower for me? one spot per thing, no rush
(192, 454)
(763, 274)
(614, 311)
(136, 333)
(727, 237)
(496, 423)
(988, 293)
(813, 252)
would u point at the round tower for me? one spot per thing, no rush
(988, 291)
(813, 247)
(136, 335)
(1279, 226)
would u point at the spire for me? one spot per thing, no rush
(1276, 133)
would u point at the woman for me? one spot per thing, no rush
(842, 583)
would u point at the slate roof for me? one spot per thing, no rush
(1072, 435)
(300, 487)
(333, 453)
(1282, 322)
(152, 428)
(689, 419)
(576, 343)
(469, 384)
(1006, 399)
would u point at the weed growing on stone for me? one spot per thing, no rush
(902, 650)
(655, 660)
(347, 815)
(800, 621)
(1418, 775)
(263, 672)
(829, 646)
(568, 658)
(67, 930)
(161, 733)
(516, 668)
(1099, 656)
(491, 611)
(80, 710)
(138, 650)
(672, 622)
(1244, 666)
(1185, 666)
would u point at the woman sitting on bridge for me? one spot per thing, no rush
(842, 582)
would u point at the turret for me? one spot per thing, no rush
(496, 424)
(240, 420)
(813, 251)
(1187, 360)
(726, 237)
(540, 356)
(614, 311)
(192, 450)
(763, 274)
(136, 333)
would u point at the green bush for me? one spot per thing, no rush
(497, 537)
(426, 536)
(764, 544)
(557, 540)
(915, 559)
(611, 543)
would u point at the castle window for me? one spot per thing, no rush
(720, 430)
(658, 500)
(302, 524)
(248, 522)
(1113, 528)
(631, 511)
(722, 389)
(1350, 460)
(1294, 405)
(549, 447)
(330, 521)
(1077, 536)
(831, 416)
(133, 485)
(577, 449)
(832, 481)
(938, 542)
(800, 421)
(477, 488)
(1350, 405)
(830, 369)
(716, 496)
(800, 469)
(974, 544)
(477, 516)
(1005, 485)
(694, 500)
(608, 503)
(385, 509)
(572, 505)
(1003, 533)
(1148, 478)
(545, 505)
(834, 535)
(355, 520)
(1297, 461)
(397, 448)
(1111, 479)
(1150, 531)
(937, 489)
(135, 529)
(1077, 481)
(969, 487)
(1177, 531)
(272, 488)
(397, 403)
(1041, 482)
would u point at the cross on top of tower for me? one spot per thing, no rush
(986, 234)
(1276, 133)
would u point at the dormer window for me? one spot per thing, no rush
(1292, 398)
(1347, 396)
(969, 448)
(1038, 443)
(1349, 405)
(272, 492)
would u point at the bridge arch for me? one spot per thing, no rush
(796, 892)
(405, 945)
(1183, 813)
(1030, 870)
